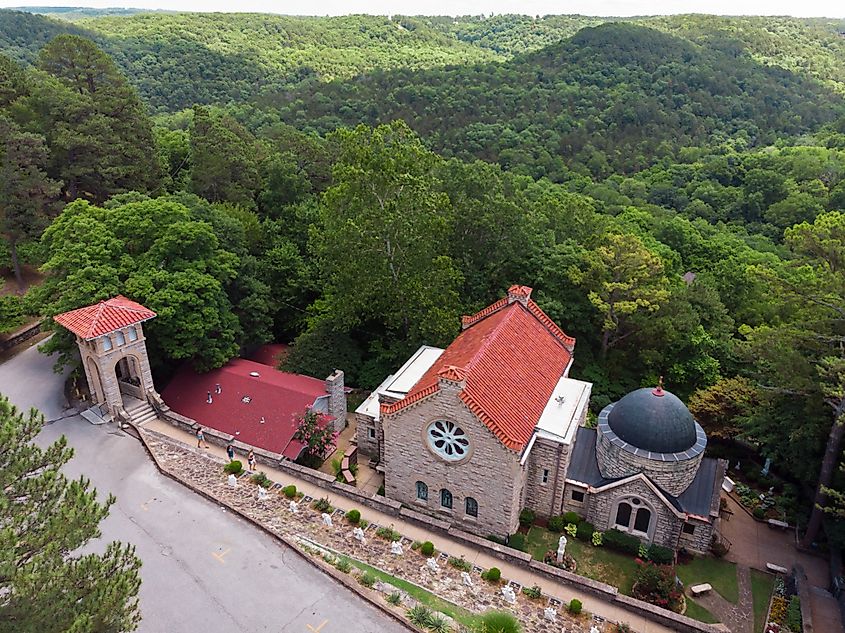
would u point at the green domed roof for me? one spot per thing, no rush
(653, 420)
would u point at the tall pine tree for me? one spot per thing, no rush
(46, 586)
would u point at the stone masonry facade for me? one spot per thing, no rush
(491, 474)
(673, 476)
(546, 477)
(100, 364)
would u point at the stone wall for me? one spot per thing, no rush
(337, 399)
(367, 445)
(570, 505)
(8, 341)
(666, 525)
(672, 476)
(491, 474)
(698, 541)
(546, 498)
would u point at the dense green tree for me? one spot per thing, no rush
(27, 195)
(722, 407)
(46, 584)
(224, 164)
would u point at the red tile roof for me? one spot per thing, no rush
(104, 317)
(510, 356)
(276, 395)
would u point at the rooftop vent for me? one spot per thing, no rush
(246, 399)
(560, 399)
(254, 374)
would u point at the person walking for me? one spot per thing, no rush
(250, 458)
(201, 438)
(230, 451)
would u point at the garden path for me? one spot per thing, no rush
(739, 617)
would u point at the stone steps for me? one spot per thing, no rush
(141, 413)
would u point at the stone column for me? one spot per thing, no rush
(337, 399)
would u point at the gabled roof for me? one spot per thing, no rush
(104, 317)
(508, 358)
(276, 396)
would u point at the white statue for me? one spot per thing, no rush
(465, 577)
(561, 548)
(232, 481)
(396, 548)
(327, 520)
(432, 565)
(594, 629)
(293, 507)
(550, 614)
(358, 533)
(508, 594)
(262, 493)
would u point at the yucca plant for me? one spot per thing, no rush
(420, 616)
(438, 624)
(498, 622)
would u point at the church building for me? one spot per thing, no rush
(493, 424)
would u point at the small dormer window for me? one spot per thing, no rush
(133, 333)
(106, 343)
(121, 340)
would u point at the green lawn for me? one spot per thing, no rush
(598, 563)
(762, 585)
(719, 573)
(427, 598)
(697, 612)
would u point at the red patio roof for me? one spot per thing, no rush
(276, 396)
(104, 317)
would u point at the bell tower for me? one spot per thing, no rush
(113, 352)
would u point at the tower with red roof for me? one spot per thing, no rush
(113, 351)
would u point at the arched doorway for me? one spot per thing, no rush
(95, 383)
(129, 379)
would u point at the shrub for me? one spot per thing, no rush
(621, 542)
(623, 627)
(261, 479)
(526, 517)
(420, 616)
(498, 622)
(496, 539)
(661, 555)
(367, 579)
(494, 574)
(656, 585)
(575, 606)
(438, 624)
(322, 505)
(380, 491)
(585, 531)
(343, 565)
(793, 614)
(572, 517)
(642, 551)
(460, 563)
(416, 545)
(758, 513)
(363, 523)
(571, 529)
(517, 541)
(717, 548)
(388, 533)
(556, 524)
(532, 592)
(289, 491)
(427, 549)
(233, 468)
(353, 516)
(597, 539)
(395, 598)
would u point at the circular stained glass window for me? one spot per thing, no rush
(448, 440)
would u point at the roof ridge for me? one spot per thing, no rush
(554, 328)
(488, 340)
(468, 321)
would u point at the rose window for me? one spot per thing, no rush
(448, 440)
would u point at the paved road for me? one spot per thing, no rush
(204, 569)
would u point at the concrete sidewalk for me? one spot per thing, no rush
(525, 577)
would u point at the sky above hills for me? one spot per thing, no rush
(806, 8)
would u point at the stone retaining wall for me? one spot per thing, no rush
(19, 337)
(394, 508)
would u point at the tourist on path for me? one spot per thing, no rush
(201, 438)
(230, 451)
(251, 460)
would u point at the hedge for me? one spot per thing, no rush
(621, 542)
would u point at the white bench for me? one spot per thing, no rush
(697, 590)
(775, 523)
(776, 568)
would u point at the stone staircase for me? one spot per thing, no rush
(140, 412)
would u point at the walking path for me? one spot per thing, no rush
(525, 577)
(739, 617)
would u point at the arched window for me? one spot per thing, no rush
(623, 514)
(133, 333)
(472, 507)
(446, 498)
(422, 491)
(121, 340)
(643, 520)
(106, 343)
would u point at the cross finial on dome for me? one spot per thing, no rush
(658, 391)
